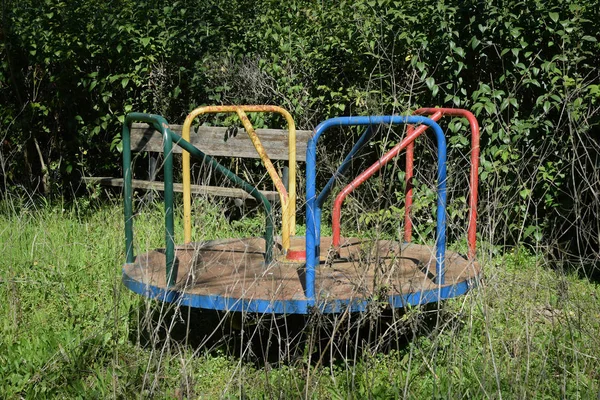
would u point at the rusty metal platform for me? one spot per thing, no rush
(230, 274)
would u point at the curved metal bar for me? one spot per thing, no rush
(360, 179)
(161, 125)
(313, 217)
(287, 198)
(435, 114)
(411, 135)
(300, 306)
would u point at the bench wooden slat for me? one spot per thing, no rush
(214, 141)
(272, 196)
(219, 141)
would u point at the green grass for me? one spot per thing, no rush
(69, 326)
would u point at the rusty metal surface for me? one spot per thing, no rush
(365, 269)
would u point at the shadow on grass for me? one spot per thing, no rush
(317, 339)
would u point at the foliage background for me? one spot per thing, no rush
(69, 71)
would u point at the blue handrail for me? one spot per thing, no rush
(314, 203)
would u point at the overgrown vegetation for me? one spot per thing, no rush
(71, 70)
(70, 329)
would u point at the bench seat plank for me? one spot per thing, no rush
(225, 142)
(272, 196)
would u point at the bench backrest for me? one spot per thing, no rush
(226, 142)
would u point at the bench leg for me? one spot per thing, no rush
(285, 177)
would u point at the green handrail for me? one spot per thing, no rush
(161, 125)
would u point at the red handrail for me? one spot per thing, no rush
(408, 143)
(436, 114)
(410, 161)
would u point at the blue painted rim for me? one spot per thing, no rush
(216, 302)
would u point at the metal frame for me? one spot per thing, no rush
(314, 203)
(169, 137)
(435, 114)
(161, 125)
(217, 302)
(287, 196)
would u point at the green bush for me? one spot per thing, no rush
(71, 70)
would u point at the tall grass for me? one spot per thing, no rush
(71, 330)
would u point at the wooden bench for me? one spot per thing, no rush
(214, 141)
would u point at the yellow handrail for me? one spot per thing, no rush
(288, 200)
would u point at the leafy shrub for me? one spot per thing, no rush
(71, 70)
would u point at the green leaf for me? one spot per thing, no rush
(588, 38)
(554, 16)
(546, 106)
(459, 51)
(430, 82)
(124, 82)
(528, 231)
(490, 108)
